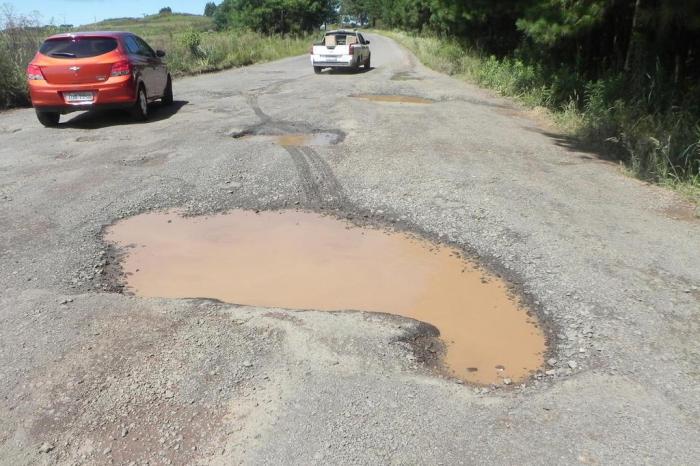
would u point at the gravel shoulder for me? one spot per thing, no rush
(87, 375)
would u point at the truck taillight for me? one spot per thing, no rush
(352, 49)
(121, 68)
(34, 73)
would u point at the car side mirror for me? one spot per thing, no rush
(366, 42)
(160, 53)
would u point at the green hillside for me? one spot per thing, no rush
(154, 25)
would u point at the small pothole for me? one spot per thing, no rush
(297, 139)
(301, 260)
(405, 76)
(400, 99)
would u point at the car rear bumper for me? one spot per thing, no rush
(118, 92)
(344, 61)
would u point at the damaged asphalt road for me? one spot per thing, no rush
(91, 376)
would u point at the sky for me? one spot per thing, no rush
(78, 12)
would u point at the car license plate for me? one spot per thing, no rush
(330, 58)
(78, 97)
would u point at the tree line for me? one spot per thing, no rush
(592, 36)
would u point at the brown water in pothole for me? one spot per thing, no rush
(297, 139)
(402, 99)
(301, 260)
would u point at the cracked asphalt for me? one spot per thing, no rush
(89, 375)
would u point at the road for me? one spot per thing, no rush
(88, 375)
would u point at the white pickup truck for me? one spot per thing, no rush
(341, 49)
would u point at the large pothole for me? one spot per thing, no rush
(301, 260)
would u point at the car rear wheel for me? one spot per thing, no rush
(317, 69)
(140, 110)
(367, 63)
(48, 119)
(168, 94)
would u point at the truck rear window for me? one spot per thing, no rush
(340, 39)
(78, 47)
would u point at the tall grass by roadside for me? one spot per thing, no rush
(193, 52)
(658, 142)
(190, 43)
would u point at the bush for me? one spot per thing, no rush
(19, 41)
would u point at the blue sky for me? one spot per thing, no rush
(79, 12)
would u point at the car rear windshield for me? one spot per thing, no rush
(78, 47)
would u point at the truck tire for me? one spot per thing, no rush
(367, 62)
(317, 69)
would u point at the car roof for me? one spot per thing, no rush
(110, 34)
(341, 31)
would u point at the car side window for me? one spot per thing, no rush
(146, 49)
(131, 45)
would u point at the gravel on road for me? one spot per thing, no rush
(92, 375)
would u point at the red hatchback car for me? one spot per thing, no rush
(96, 70)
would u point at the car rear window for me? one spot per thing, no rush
(78, 47)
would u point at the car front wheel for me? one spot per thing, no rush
(48, 119)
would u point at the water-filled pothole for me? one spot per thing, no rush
(297, 139)
(405, 76)
(402, 99)
(301, 260)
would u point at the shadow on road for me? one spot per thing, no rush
(362, 70)
(586, 150)
(96, 119)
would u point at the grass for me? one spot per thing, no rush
(657, 142)
(191, 44)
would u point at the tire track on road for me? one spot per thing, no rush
(318, 182)
(332, 193)
(312, 193)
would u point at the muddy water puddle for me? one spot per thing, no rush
(301, 260)
(297, 139)
(401, 99)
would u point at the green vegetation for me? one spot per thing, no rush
(620, 73)
(210, 9)
(191, 42)
(275, 16)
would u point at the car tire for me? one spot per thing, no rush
(48, 119)
(168, 94)
(140, 110)
(367, 63)
(318, 69)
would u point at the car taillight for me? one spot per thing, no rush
(34, 73)
(352, 49)
(121, 68)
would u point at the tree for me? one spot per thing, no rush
(274, 16)
(165, 11)
(210, 9)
